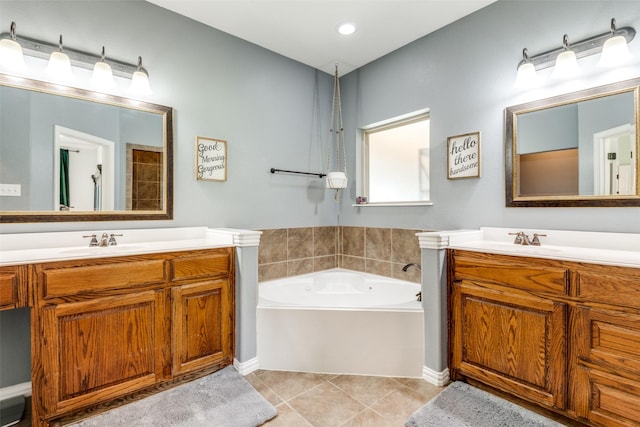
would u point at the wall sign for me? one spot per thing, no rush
(211, 159)
(463, 156)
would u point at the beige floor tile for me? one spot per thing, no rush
(402, 401)
(366, 390)
(287, 417)
(428, 390)
(262, 388)
(369, 418)
(326, 406)
(289, 384)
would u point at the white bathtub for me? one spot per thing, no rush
(342, 322)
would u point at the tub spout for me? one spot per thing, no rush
(413, 264)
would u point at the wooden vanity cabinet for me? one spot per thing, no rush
(503, 335)
(563, 335)
(103, 329)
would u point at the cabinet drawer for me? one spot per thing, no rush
(528, 274)
(608, 400)
(611, 339)
(13, 287)
(197, 266)
(8, 290)
(608, 284)
(74, 280)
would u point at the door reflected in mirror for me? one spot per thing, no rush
(578, 149)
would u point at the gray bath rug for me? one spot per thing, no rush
(222, 399)
(461, 405)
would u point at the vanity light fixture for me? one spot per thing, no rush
(102, 76)
(140, 80)
(566, 62)
(615, 50)
(13, 47)
(527, 76)
(59, 66)
(11, 57)
(562, 57)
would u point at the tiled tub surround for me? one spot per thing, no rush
(285, 252)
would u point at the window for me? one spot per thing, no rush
(395, 160)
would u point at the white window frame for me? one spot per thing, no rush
(362, 157)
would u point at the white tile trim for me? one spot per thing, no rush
(436, 378)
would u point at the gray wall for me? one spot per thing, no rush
(274, 113)
(464, 73)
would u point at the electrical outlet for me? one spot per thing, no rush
(10, 190)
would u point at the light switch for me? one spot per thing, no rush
(10, 190)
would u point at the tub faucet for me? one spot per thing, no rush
(413, 264)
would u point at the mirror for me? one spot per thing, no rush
(69, 154)
(577, 149)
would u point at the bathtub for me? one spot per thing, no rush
(340, 322)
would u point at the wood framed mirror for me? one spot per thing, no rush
(577, 149)
(69, 154)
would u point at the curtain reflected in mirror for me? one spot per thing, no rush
(64, 180)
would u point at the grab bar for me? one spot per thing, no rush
(319, 175)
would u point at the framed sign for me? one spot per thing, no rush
(463, 156)
(211, 159)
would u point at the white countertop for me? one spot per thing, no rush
(28, 248)
(621, 249)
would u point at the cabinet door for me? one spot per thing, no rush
(607, 376)
(100, 349)
(202, 332)
(510, 340)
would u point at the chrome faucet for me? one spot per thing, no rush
(413, 264)
(94, 240)
(523, 239)
(536, 241)
(105, 240)
(112, 239)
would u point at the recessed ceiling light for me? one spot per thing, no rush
(346, 28)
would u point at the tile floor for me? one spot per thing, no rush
(319, 400)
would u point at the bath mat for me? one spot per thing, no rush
(461, 405)
(222, 399)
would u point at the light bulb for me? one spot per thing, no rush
(566, 65)
(566, 62)
(59, 66)
(11, 57)
(140, 81)
(615, 51)
(102, 76)
(527, 76)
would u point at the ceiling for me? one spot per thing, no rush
(305, 30)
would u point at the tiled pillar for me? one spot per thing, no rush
(246, 243)
(433, 246)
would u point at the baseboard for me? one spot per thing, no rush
(22, 389)
(245, 368)
(434, 377)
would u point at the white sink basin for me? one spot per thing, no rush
(105, 250)
(513, 248)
